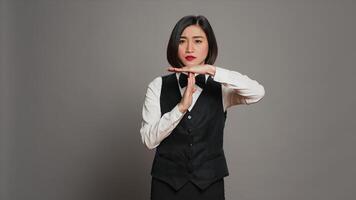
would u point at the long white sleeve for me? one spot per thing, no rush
(155, 128)
(238, 88)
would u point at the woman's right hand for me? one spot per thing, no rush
(187, 98)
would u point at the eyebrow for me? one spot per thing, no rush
(193, 37)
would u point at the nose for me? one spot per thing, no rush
(190, 47)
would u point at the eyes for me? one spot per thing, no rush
(196, 41)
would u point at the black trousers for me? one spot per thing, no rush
(160, 190)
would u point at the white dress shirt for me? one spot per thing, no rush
(236, 89)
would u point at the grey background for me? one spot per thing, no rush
(74, 76)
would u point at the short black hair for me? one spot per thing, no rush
(172, 48)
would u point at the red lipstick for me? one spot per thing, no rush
(190, 58)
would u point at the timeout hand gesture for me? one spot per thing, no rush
(186, 101)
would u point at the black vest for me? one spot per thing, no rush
(194, 150)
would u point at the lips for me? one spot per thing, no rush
(190, 58)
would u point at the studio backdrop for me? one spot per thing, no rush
(74, 76)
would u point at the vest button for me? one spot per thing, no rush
(189, 130)
(189, 116)
(191, 144)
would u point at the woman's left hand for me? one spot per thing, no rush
(199, 69)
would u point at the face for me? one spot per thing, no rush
(193, 46)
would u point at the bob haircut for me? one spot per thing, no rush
(172, 48)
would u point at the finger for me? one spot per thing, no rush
(191, 78)
(191, 82)
(170, 69)
(183, 69)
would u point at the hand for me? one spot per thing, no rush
(199, 69)
(187, 98)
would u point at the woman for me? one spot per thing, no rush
(184, 115)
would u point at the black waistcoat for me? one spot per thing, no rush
(194, 149)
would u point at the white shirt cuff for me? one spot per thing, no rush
(220, 74)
